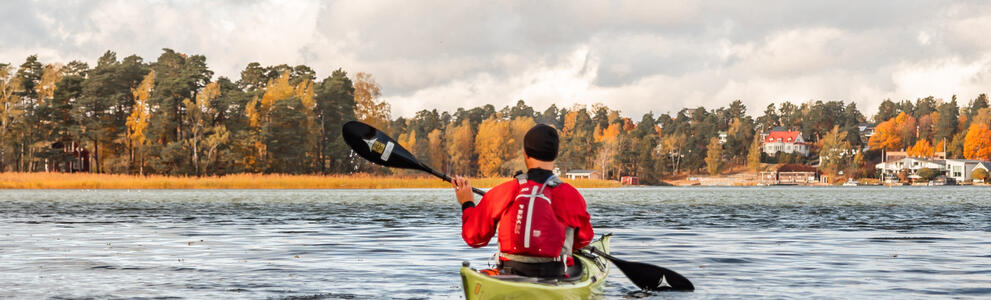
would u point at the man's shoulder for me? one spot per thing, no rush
(567, 188)
(508, 186)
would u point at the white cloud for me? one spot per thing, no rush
(635, 56)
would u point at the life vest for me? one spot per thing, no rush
(529, 228)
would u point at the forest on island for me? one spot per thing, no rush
(170, 116)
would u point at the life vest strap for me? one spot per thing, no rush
(553, 181)
(528, 259)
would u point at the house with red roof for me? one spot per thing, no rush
(787, 141)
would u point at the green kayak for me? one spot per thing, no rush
(478, 285)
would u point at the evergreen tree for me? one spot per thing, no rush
(284, 136)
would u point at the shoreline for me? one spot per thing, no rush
(67, 181)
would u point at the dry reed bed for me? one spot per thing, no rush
(12, 180)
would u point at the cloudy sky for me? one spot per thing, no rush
(634, 56)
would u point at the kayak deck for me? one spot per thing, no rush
(478, 285)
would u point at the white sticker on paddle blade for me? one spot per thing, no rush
(388, 151)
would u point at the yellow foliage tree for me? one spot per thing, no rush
(257, 111)
(368, 108)
(490, 144)
(977, 144)
(50, 76)
(607, 134)
(754, 154)
(200, 118)
(922, 148)
(514, 145)
(714, 156)
(460, 145)
(835, 151)
(277, 89)
(137, 122)
(435, 140)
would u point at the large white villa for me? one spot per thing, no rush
(786, 141)
(958, 169)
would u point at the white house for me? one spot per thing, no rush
(586, 174)
(912, 164)
(785, 141)
(960, 169)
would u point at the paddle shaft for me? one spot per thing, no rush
(448, 178)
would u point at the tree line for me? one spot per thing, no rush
(171, 117)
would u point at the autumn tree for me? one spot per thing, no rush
(577, 139)
(674, 144)
(137, 122)
(435, 144)
(893, 134)
(490, 143)
(178, 76)
(368, 108)
(518, 128)
(738, 137)
(714, 156)
(979, 174)
(836, 153)
(754, 154)
(608, 138)
(977, 144)
(922, 148)
(460, 147)
(200, 115)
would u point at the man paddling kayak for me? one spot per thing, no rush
(540, 219)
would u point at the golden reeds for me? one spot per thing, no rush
(244, 181)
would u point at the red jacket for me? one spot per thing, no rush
(478, 223)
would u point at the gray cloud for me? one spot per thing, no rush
(637, 56)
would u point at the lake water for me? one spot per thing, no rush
(771, 242)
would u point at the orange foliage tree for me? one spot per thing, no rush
(893, 134)
(922, 148)
(977, 144)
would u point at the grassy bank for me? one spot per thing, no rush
(244, 181)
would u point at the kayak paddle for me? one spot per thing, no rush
(377, 147)
(649, 277)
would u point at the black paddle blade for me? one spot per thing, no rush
(653, 278)
(377, 147)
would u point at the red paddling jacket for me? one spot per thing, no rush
(479, 221)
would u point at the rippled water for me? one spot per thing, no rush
(355, 244)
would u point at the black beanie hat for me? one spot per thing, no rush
(541, 142)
